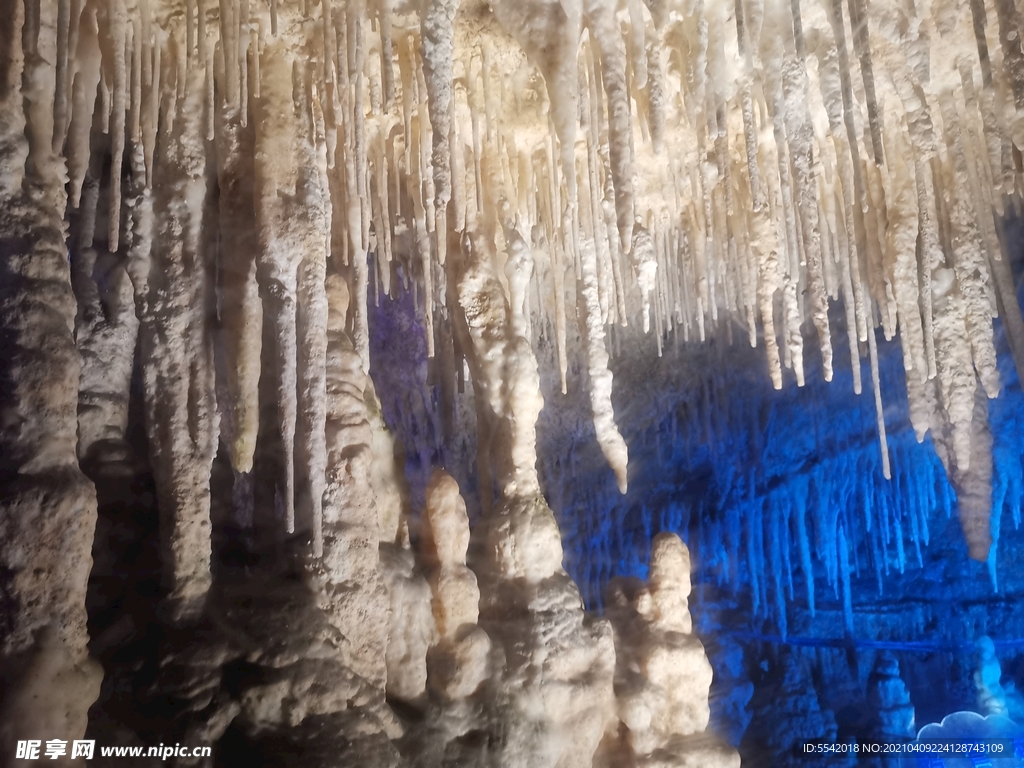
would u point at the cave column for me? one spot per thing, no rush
(182, 421)
(48, 507)
(352, 591)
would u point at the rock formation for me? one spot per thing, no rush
(47, 506)
(199, 200)
(889, 700)
(662, 674)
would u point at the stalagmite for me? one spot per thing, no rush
(663, 674)
(458, 664)
(411, 628)
(890, 699)
(352, 591)
(522, 569)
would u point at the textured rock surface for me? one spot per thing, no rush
(263, 674)
(47, 507)
(259, 172)
(804, 719)
(662, 674)
(888, 696)
(411, 623)
(173, 293)
(556, 682)
(352, 591)
(458, 663)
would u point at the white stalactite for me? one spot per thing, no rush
(294, 225)
(438, 49)
(608, 437)
(240, 304)
(769, 166)
(181, 417)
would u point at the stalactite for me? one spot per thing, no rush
(900, 258)
(86, 79)
(312, 320)
(600, 19)
(765, 165)
(608, 437)
(177, 369)
(969, 263)
(645, 264)
(799, 134)
(281, 240)
(355, 160)
(117, 18)
(294, 233)
(438, 29)
(974, 484)
(241, 307)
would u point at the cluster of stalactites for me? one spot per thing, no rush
(686, 166)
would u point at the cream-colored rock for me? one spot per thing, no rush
(241, 305)
(456, 600)
(351, 590)
(523, 540)
(293, 221)
(462, 153)
(458, 664)
(412, 628)
(171, 295)
(447, 521)
(47, 507)
(669, 583)
(45, 697)
(663, 675)
(106, 331)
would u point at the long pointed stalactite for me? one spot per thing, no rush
(181, 414)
